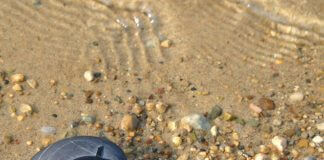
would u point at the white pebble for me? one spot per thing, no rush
(317, 139)
(89, 76)
(279, 142)
(196, 121)
(48, 130)
(296, 97)
(214, 131)
(261, 156)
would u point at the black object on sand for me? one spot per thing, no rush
(81, 148)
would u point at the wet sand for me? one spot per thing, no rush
(226, 53)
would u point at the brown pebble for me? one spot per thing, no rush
(290, 132)
(266, 103)
(129, 122)
(132, 100)
(7, 139)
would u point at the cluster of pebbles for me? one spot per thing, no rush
(150, 130)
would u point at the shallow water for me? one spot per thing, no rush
(228, 48)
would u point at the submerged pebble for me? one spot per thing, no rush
(48, 130)
(88, 119)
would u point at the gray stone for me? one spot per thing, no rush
(215, 112)
(48, 130)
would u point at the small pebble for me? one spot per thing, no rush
(7, 139)
(26, 109)
(303, 143)
(89, 76)
(88, 119)
(277, 122)
(16, 78)
(160, 107)
(215, 112)
(29, 143)
(32, 83)
(317, 139)
(173, 125)
(296, 97)
(279, 142)
(17, 87)
(266, 104)
(196, 121)
(255, 108)
(183, 157)
(176, 140)
(129, 123)
(150, 106)
(132, 100)
(261, 156)
(20, 118)
(166, 43)
(46, 141)
(228, 117)
(214, 131)
(320, 126)
(48, 130)
(137, 109)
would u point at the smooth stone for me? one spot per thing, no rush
(88, 119)
(196, 121)
(215, 112)
(89, 76)
(279, 142)
(48, 130)
(214, 131)
(266, 104)
(16, 78)
(317, 139)
(296, 97)
(129, 122)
